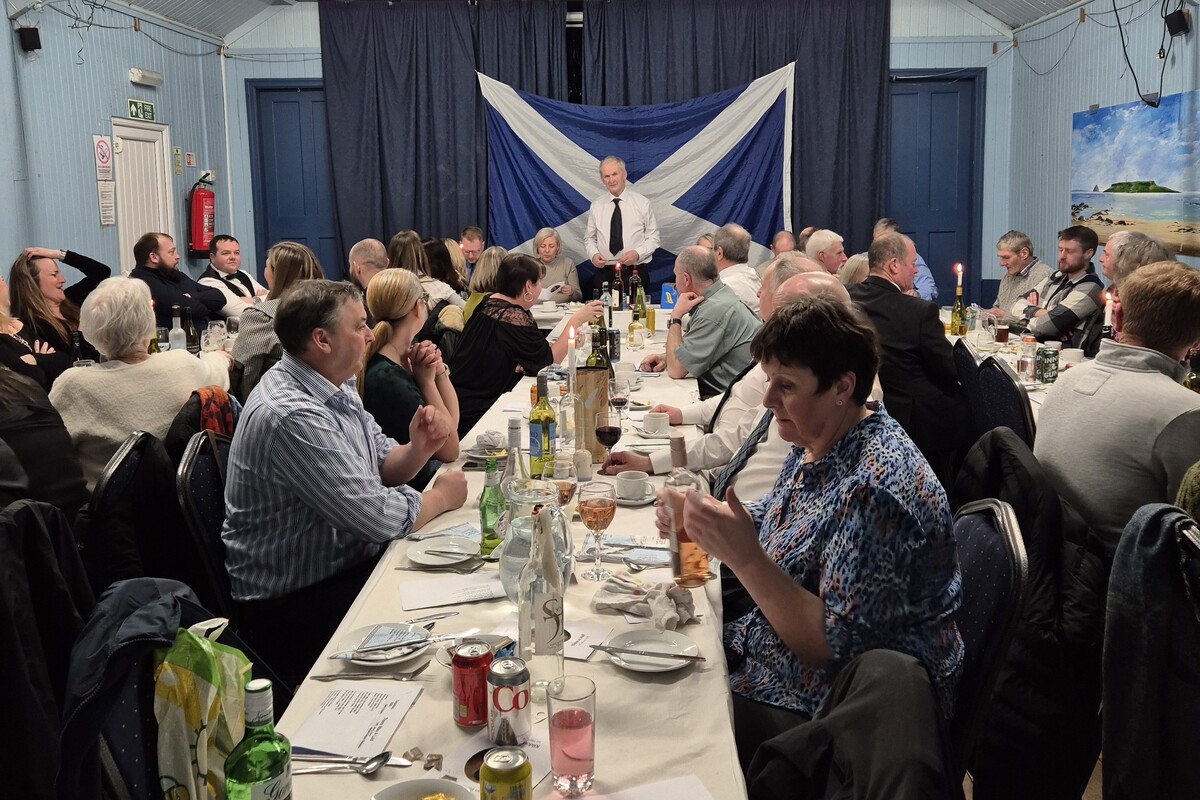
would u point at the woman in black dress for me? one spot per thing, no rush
(21, 355)
(502, 342)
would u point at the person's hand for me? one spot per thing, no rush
(42, 252)
(628, 258)
(565, 290)
(724, 529)
(662, 511)
(262, 292)
(428, 430)
(598, 261)
(29, 359)
(247, 300)
(424, 361)
(452, 486)
(674, 415)
(1032, 298)
(593, 309)
(623, 460)
(685, 303)
(655, 362)
(41, 348)
(997, 313)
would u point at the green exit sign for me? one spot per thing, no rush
(141, 109)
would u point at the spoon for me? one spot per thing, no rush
(367, 767)
(634, 566)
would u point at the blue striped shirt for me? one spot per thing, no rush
(304, 500)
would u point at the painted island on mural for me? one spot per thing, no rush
(1134, 167)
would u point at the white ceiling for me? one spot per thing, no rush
(220, 17)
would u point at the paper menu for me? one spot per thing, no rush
(356, 718)
(451, 590)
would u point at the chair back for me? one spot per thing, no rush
(1005, 399)
(966, 364)
(200, 483)
(117, 478)
(991, 557)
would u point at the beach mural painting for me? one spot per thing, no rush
(1137, 168)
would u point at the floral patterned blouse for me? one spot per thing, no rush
(868, 530)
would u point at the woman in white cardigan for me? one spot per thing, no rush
(132, 390)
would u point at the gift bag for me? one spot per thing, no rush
(199, 704)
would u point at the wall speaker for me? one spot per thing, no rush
(30, 38)
(1178, 22)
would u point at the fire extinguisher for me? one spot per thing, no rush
(202, 215)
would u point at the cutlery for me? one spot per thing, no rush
(628, 651)
(321, 758)
(395, 676)
(364, 768)
(460, 568)
(432, 552)
(430, 617)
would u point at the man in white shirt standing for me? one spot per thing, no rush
(621, 228)
(731, 246)
(225, 273)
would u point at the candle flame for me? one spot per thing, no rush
(1108, 297)
(958, 268)
(571, 332)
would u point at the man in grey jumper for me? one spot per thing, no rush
(1120, 431)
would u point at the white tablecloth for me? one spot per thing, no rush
(649, 727)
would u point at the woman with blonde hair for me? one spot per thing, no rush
(257, 348)
(405, 251)
(399, 376)
(560, 270)
(483, 279)
(458, 260)
(855, 270)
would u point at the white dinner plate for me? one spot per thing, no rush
(483, 454)
(383, 658)
(426, 787)
(656, 642)
(418, 552)
(644, 501)
(443, 655)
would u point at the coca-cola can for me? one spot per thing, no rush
(509, 717)
(470, 662)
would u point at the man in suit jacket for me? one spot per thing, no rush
(920, 384)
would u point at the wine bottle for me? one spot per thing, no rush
(598, 358)
(189, 330)
(638, 293)
(491, 506)
(567, 401)
(261, 764)
(540, 628)
(618, 291)
(152, 348)
(1192, 381)
(607, 301)
(514, 469)
(76, 347)
(541, 431)
(176, 338)
(689, 562)
(958, 314)
(637, 331)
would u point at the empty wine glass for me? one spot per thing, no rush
(597, 507)
(608, 430)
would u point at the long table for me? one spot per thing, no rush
(649, 727)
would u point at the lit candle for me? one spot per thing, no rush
(571, 349)
(1108, 306)
(959, 269)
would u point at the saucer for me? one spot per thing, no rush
(645, 501)
(642, 432)
(464, 549)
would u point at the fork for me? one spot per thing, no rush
(393, 676)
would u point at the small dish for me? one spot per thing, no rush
(653, 641)
(419, 552)
(382, 658)
(443, 655)
(424, 787)
(642, 432)
(478, 454)
(644, 501)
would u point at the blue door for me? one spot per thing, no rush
(935, 161)
(293, 182)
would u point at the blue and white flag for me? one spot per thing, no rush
(702, 163)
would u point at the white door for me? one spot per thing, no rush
(142, 156)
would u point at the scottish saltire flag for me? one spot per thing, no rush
(702, 163)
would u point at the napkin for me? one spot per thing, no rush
(490, 440)
(667, 604)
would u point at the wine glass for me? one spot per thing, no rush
(562, 473)
(608, 430)
(597, 507)
(618, 394)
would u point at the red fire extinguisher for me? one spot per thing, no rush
(202, 215)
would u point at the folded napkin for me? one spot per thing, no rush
(667, 604)
(490, 440)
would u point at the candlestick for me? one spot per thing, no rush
(1108, 309)
(959, 269)
(571, 349)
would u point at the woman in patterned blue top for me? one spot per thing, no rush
(852, 550)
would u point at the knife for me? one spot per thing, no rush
(628, 651)
(410, 645)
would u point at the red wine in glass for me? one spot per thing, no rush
(608, 435)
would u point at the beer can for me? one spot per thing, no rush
(614, 345)
(509, 716)
(470, 662)
(506, 774)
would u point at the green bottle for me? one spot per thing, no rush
(491, 506)
(261, 765)
(541, 431)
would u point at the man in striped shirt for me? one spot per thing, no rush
(314, 490)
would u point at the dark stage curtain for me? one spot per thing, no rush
(405, 118)
(640, 52)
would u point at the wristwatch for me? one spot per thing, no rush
(674, 321)
(62, 255)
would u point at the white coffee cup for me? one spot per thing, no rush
(1072, 355)
(549, 306)
(633, 485)
(623, 370)
(655, 422)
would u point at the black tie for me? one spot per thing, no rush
(616, 237)
(712, 423)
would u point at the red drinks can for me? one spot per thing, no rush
(509, 716)
(470, 662)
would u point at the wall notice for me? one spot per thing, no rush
(103, 150)
(106, 192)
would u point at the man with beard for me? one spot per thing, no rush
(1065, 302)
(158, 265)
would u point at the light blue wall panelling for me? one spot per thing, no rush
(295, 27)
(72, 88)
(942, 18)
(14, 187)
(241, 66)
(1092, 71)
(942, 54)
